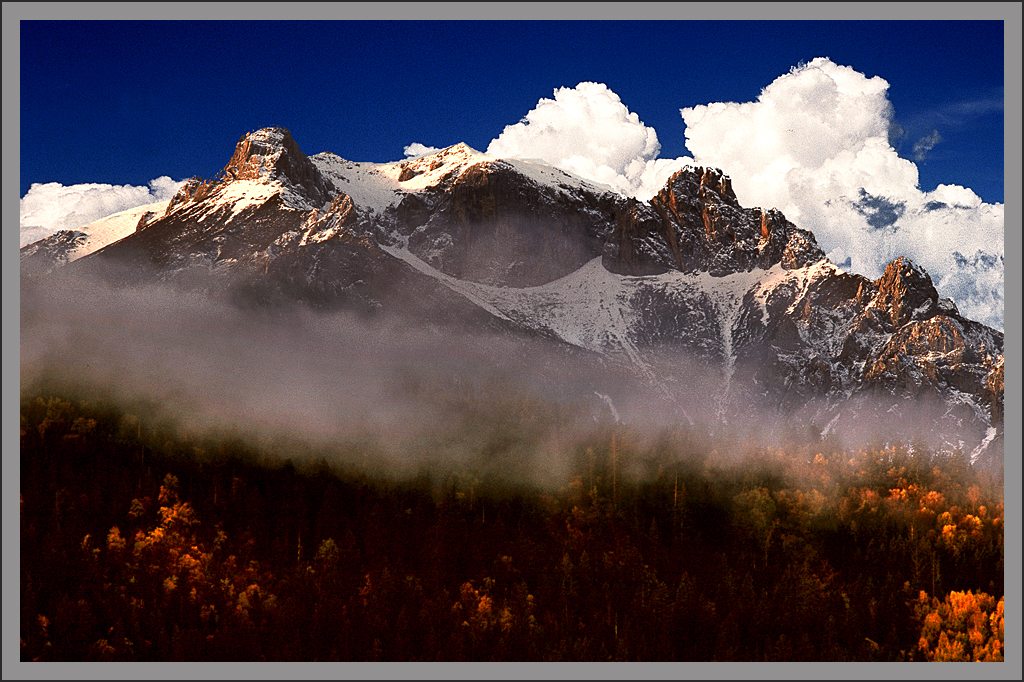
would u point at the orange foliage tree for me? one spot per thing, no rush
(964, 626)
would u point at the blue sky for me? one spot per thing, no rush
(124, 102)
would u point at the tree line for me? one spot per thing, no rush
(144, 542)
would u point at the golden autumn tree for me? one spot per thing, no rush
(964, 626)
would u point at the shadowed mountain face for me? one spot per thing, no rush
(653, 289)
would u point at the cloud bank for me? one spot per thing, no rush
(50, 207)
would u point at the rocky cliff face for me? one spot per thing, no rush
(491, 224)
(690, 277)
(707, 230)
(273, 153)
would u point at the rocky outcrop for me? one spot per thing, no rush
(707, 230)
(995, 385)
(265, 154)
(905, 293)
(48, 254)
(925, 353)
(273, 153)
(194, 190)
(450, 157)
(491, 223)
(147, 218)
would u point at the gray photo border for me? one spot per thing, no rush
(13, 13)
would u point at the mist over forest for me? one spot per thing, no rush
(417, 394)
(207, 479)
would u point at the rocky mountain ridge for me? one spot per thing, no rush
(518, 247)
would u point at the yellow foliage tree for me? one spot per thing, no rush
(964, 626)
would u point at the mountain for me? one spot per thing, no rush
(723, 311)
(65, 246)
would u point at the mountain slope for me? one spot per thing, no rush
(66, 246)
(720, 309)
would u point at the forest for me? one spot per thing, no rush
(144, 541)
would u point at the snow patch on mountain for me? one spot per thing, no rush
(114, 227)
(371, 186)
(550, 176)
(48, 208)
(424, 172)
(594, 309)
(990, 435)
(241, 195)
(607, 400)
(102, 232)
(589, 308)
(468, 289)
(374, 187)
(726, 294)
(831, 425)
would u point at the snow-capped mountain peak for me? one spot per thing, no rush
(690, 276)
(272, 154)
(429, 170)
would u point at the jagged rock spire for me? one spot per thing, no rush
(273, 153)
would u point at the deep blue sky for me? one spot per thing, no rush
(123, 102)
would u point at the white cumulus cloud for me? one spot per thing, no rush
(588, 131)
(50, 207)
(417, 149)
(815, 145)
